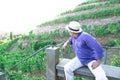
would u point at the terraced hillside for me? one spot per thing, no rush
(102, 13)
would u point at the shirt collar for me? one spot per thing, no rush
(78, 35)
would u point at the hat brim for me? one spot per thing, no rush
(67, 28)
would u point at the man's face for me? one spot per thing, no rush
(71, 34)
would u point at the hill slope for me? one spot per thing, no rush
(91, 15)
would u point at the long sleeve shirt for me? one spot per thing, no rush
(86, 47)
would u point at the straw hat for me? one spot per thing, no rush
(74, 27)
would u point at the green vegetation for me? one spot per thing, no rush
(20, 61)
(93, 1)
(101, 30)
(115, 61)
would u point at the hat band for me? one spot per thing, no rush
(73, 29)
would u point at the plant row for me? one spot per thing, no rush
(92, 15)
(87, 7)
(94, 1)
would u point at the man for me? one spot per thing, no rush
(88, 52)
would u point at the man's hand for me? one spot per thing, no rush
(96, 63)
(65, 45)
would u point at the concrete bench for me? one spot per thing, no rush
(55, 67)
(2, 76)
(112, 72)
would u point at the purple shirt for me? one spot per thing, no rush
(86, 47)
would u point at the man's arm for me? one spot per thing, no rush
(66, 44)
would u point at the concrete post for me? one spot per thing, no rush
(2, 76)
(52, 59)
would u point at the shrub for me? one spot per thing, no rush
(42, 43)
